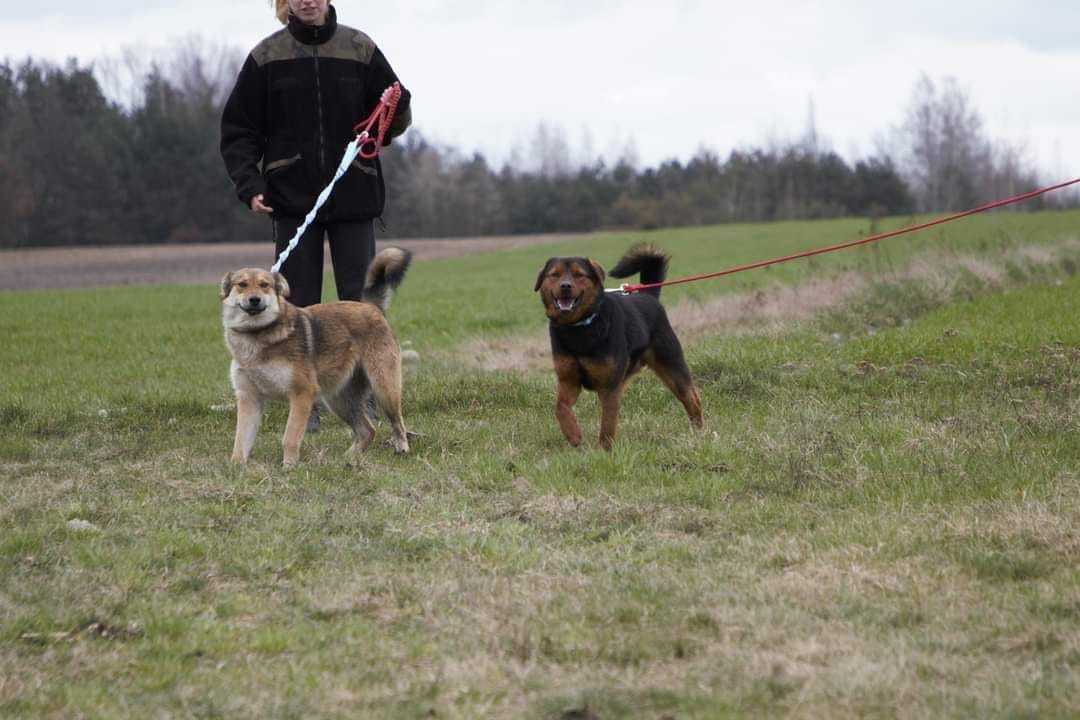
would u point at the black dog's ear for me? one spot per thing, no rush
(598, 271)
(226, 285)
(281, 285)
(543, 272)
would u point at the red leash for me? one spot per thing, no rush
(383, 115)
(629, 288)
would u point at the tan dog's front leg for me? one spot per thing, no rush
(248, 416)
(610, 402)
(564, 411)
(300, 405)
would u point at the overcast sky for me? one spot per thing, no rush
(669, 77)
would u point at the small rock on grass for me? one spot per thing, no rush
(82, 525)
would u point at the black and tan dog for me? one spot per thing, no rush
(600, 340)
(340, 352)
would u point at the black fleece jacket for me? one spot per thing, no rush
(291, 114)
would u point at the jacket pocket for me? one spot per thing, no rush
(365, 166)
(279, 165)
(287, 185)
(360, 193)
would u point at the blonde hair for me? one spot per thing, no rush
(281, 9)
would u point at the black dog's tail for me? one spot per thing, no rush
(651, 262)
(385, 274)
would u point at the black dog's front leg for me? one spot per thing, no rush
(564, 412)
(569, 389)
(610, 402)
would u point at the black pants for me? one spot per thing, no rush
(352, 246)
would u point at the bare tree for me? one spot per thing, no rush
(550, 152)
(200, 69)
(122, 75)
(945, 151)
(946, 157)
(810, 142)
(204, 70)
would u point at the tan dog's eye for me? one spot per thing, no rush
(264, 285)
(242, 285)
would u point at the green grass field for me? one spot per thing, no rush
(882, 517)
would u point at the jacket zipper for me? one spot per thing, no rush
(318, 104)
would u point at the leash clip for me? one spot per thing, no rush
(367, 146)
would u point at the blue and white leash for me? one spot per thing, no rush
(351, 152)
(382, 116)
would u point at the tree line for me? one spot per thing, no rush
(80, 167)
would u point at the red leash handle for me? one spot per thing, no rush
(629, 288)
(383, 115)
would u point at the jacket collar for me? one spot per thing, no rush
(314, 34)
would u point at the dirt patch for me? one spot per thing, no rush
(751, 311)
(54, 268)
(776, 304)
(761, 310)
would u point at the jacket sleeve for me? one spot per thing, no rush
(383, 77)
(243, 131)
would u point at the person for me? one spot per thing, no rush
(284, 129)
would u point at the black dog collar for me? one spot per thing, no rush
(586, 322)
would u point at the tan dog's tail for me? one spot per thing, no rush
(385, 274)
(644, 259)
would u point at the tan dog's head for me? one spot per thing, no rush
(570, 287)
(252, 298)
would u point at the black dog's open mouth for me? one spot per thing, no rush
(566, 304)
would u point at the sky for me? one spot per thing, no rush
(664, 80)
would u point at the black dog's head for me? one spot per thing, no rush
(569, 288)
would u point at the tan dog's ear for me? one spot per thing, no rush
(226, 285)
(543, 272)
(281, 285)
(598, 271)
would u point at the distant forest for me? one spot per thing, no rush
(79, 167)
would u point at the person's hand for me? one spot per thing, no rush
(258, 207)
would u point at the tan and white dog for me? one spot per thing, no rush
(339, 352)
